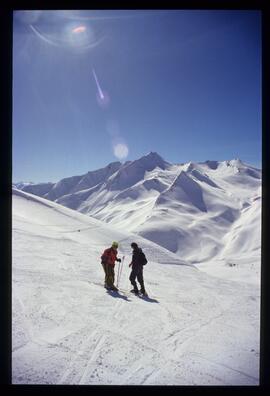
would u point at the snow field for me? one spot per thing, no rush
(195, 329)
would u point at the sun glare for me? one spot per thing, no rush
(79, 29)
(120, 150)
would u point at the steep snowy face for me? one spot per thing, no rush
(94, 178)
(196, 215)
(244, 238)
(75, 200)
(149, 188)
(236, 170)
(40, 189)
(63, 187)
(21, 185)
(70, 185)
(203, 177)
(212, 164)
(132, 172)
(185, 190)
(78, 183)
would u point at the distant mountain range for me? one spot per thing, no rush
(200, 211)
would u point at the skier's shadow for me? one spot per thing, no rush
(147, 298)
(117, 295)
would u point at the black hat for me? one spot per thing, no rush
(134, 245)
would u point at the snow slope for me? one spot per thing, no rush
(195, 329)
(198, 211)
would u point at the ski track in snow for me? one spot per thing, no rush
(195, 329)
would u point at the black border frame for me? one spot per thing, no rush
(6, 30)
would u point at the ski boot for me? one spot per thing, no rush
(143, 293)
(113, 288)
(135, 291)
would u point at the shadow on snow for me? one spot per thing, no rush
(117, 295)
(147, 298)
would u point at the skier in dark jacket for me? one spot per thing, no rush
(137, 263)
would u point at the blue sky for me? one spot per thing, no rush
(93, 87)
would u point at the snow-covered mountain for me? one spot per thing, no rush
(193, 209)
(21, 185)
(195, 329)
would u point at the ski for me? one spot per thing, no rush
(143, 295)
(124, 293)
(118, 293)
(139, 294)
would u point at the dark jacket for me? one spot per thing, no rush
(137, 258)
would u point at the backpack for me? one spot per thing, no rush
(103, 259)
(143, 258)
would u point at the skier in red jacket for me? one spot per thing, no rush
(108, 259)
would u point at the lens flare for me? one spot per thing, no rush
(102, 96)
(98, 86)
(103, 99)
(69, 35)
(79, 29)
(120, 150)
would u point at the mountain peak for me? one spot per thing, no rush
(153, 154)
(235, 162)
(133, 171)
(114, 164)
(152, 160)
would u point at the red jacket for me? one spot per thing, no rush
(110, 255)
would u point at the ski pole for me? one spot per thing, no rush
(118, 271)
(121, 269)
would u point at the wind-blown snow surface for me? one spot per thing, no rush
(208, 213)
(194, 329)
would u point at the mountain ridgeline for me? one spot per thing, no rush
(174, 205)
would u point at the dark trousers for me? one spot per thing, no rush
(137, 273)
